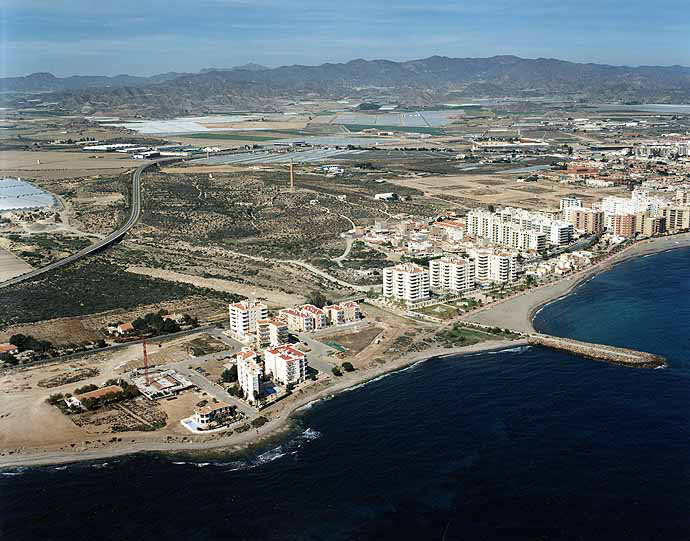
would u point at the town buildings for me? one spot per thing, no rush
(345, 312)
(407, 282)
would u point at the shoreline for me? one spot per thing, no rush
(277, 426)
(518, 312)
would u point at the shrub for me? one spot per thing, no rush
(85, 389)
(259, 421)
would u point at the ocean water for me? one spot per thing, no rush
(521, 444)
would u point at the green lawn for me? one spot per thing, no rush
(439, 310)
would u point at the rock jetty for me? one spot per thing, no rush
(600, 352)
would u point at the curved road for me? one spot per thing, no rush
(135, 212)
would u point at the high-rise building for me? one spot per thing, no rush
(649, 225)
(249, 374)
(623, 225)
(586, 220)
(494, 265)
(243, 318)
(453, 274)
(677, 218)
(497, 229)
(406, 281)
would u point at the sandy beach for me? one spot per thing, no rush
(517, 312)
(278, 424)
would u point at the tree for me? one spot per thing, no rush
(317, 298)
(347, 366)
(9, 358)
(26, 342)
(229, 374)
(336, 371)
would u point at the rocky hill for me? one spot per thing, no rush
(422, 81)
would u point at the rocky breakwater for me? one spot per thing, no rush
(600, 352)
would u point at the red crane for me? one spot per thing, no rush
(146, 364)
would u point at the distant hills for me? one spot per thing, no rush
(423, 81)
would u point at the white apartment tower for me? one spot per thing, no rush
(406, 282)
(249, 374)
(453, 274)
(244, 316)
(494, 265)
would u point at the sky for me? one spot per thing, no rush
(145, 37)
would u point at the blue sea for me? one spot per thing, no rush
(525, 443)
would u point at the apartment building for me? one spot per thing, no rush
(243, 318)
(494, 265)
(558, 232)
(623, 225)
(649, 225)
(272, 332)
(345, 312)
(677, 218)
(249, 374)
(319, 316)
(570, 202)
(352, 311)
(304, 319)
(586, 220)
(453, 274)
(286, 363)
(490, 226)
(406, 281)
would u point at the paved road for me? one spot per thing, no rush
(135, 212)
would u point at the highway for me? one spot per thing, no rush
(135, 212)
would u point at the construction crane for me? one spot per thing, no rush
(146, 364)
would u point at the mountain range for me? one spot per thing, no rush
(417, 82)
